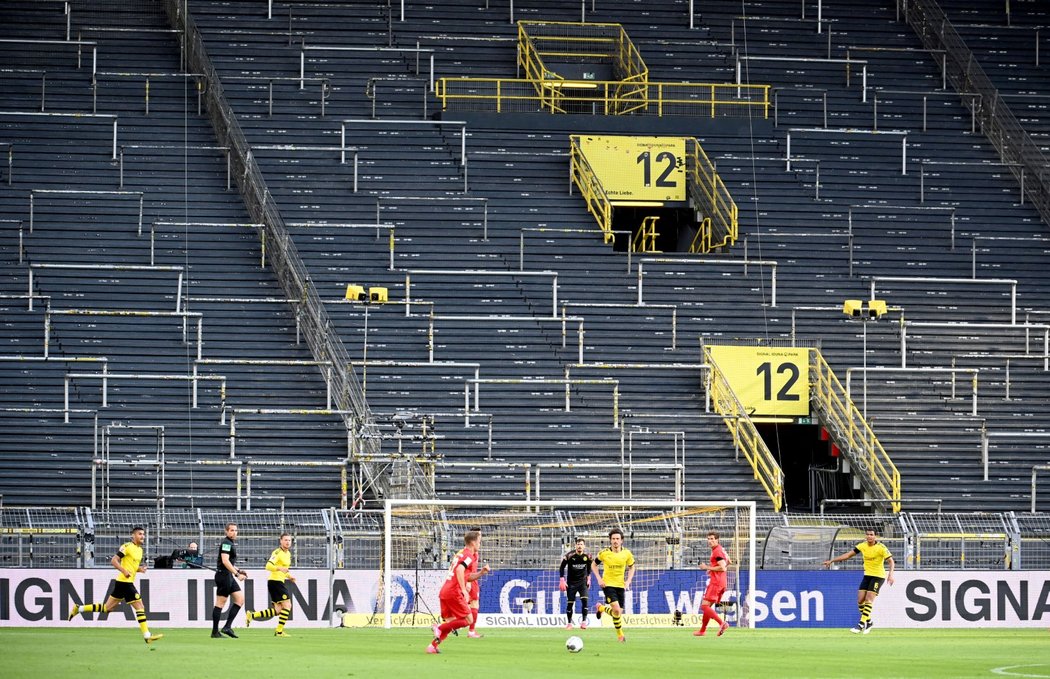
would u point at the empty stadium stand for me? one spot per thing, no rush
(513, 336)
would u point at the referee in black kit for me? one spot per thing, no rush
(226, 584)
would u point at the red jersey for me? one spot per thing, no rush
(719, 578)
(465, 558)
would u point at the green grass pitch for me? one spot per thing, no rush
(512, 653)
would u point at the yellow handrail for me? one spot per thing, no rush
(713, 200)
(645, 237)
(841, 416)
(530, 62)
(599, 42)
(540, 91)
(590, 188)
(702, 239)
(745, 436)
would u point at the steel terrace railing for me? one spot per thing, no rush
(322, 338)
(1016, 147)
(869, 459)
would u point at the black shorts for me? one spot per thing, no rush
(870, 583)
(278, 591)
(124, 591)
(575, 589)
(225, 583)
(617, 594)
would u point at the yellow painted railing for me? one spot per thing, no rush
(597, 43)
(702, 239)
(590, 188)
(745, 436)
(529, 60)
(851, 430)
(645, 237)
(712, 200)
(605, 97)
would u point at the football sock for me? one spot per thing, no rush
(265, 614)
(710, 614)
(141, 617)
(618, 624)
(865, 611)
(282, 618)
(234, 610)
(447, 628)
(92, 608)
(216, 613)
(473, 618)
(584, 600)
(607, 608)
(569, 606)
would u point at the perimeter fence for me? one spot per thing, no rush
(78, 537)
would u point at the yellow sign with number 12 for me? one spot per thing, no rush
(638, 168)
(769, 381)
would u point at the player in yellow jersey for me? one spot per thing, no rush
(617, 564)
(127, 560)
(876, 556)
(280, 568)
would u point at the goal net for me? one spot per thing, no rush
(524, 543)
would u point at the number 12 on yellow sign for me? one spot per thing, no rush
(769, 381)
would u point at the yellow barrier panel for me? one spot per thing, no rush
(745, 437)
(851, 430)
(768, 381)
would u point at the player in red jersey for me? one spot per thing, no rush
(455, 593)
(716, 587)
(475, 591)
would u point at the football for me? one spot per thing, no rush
(574, 644)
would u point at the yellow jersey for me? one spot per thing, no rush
(614, 566)
(874, 558)
(280, 558)
(130, 557)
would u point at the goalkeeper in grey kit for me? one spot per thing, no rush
(577, 582)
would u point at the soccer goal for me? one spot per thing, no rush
(524, 543)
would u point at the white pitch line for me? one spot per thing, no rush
(1005, 671)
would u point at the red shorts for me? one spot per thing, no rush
(453, 607)
(714, 593)
(475, 591)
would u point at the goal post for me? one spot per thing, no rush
(524, 542)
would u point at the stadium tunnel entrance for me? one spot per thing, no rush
(675, 229)
(813, 467)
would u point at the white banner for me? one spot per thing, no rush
(173, 598)
(184, 598)
(965, 599)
